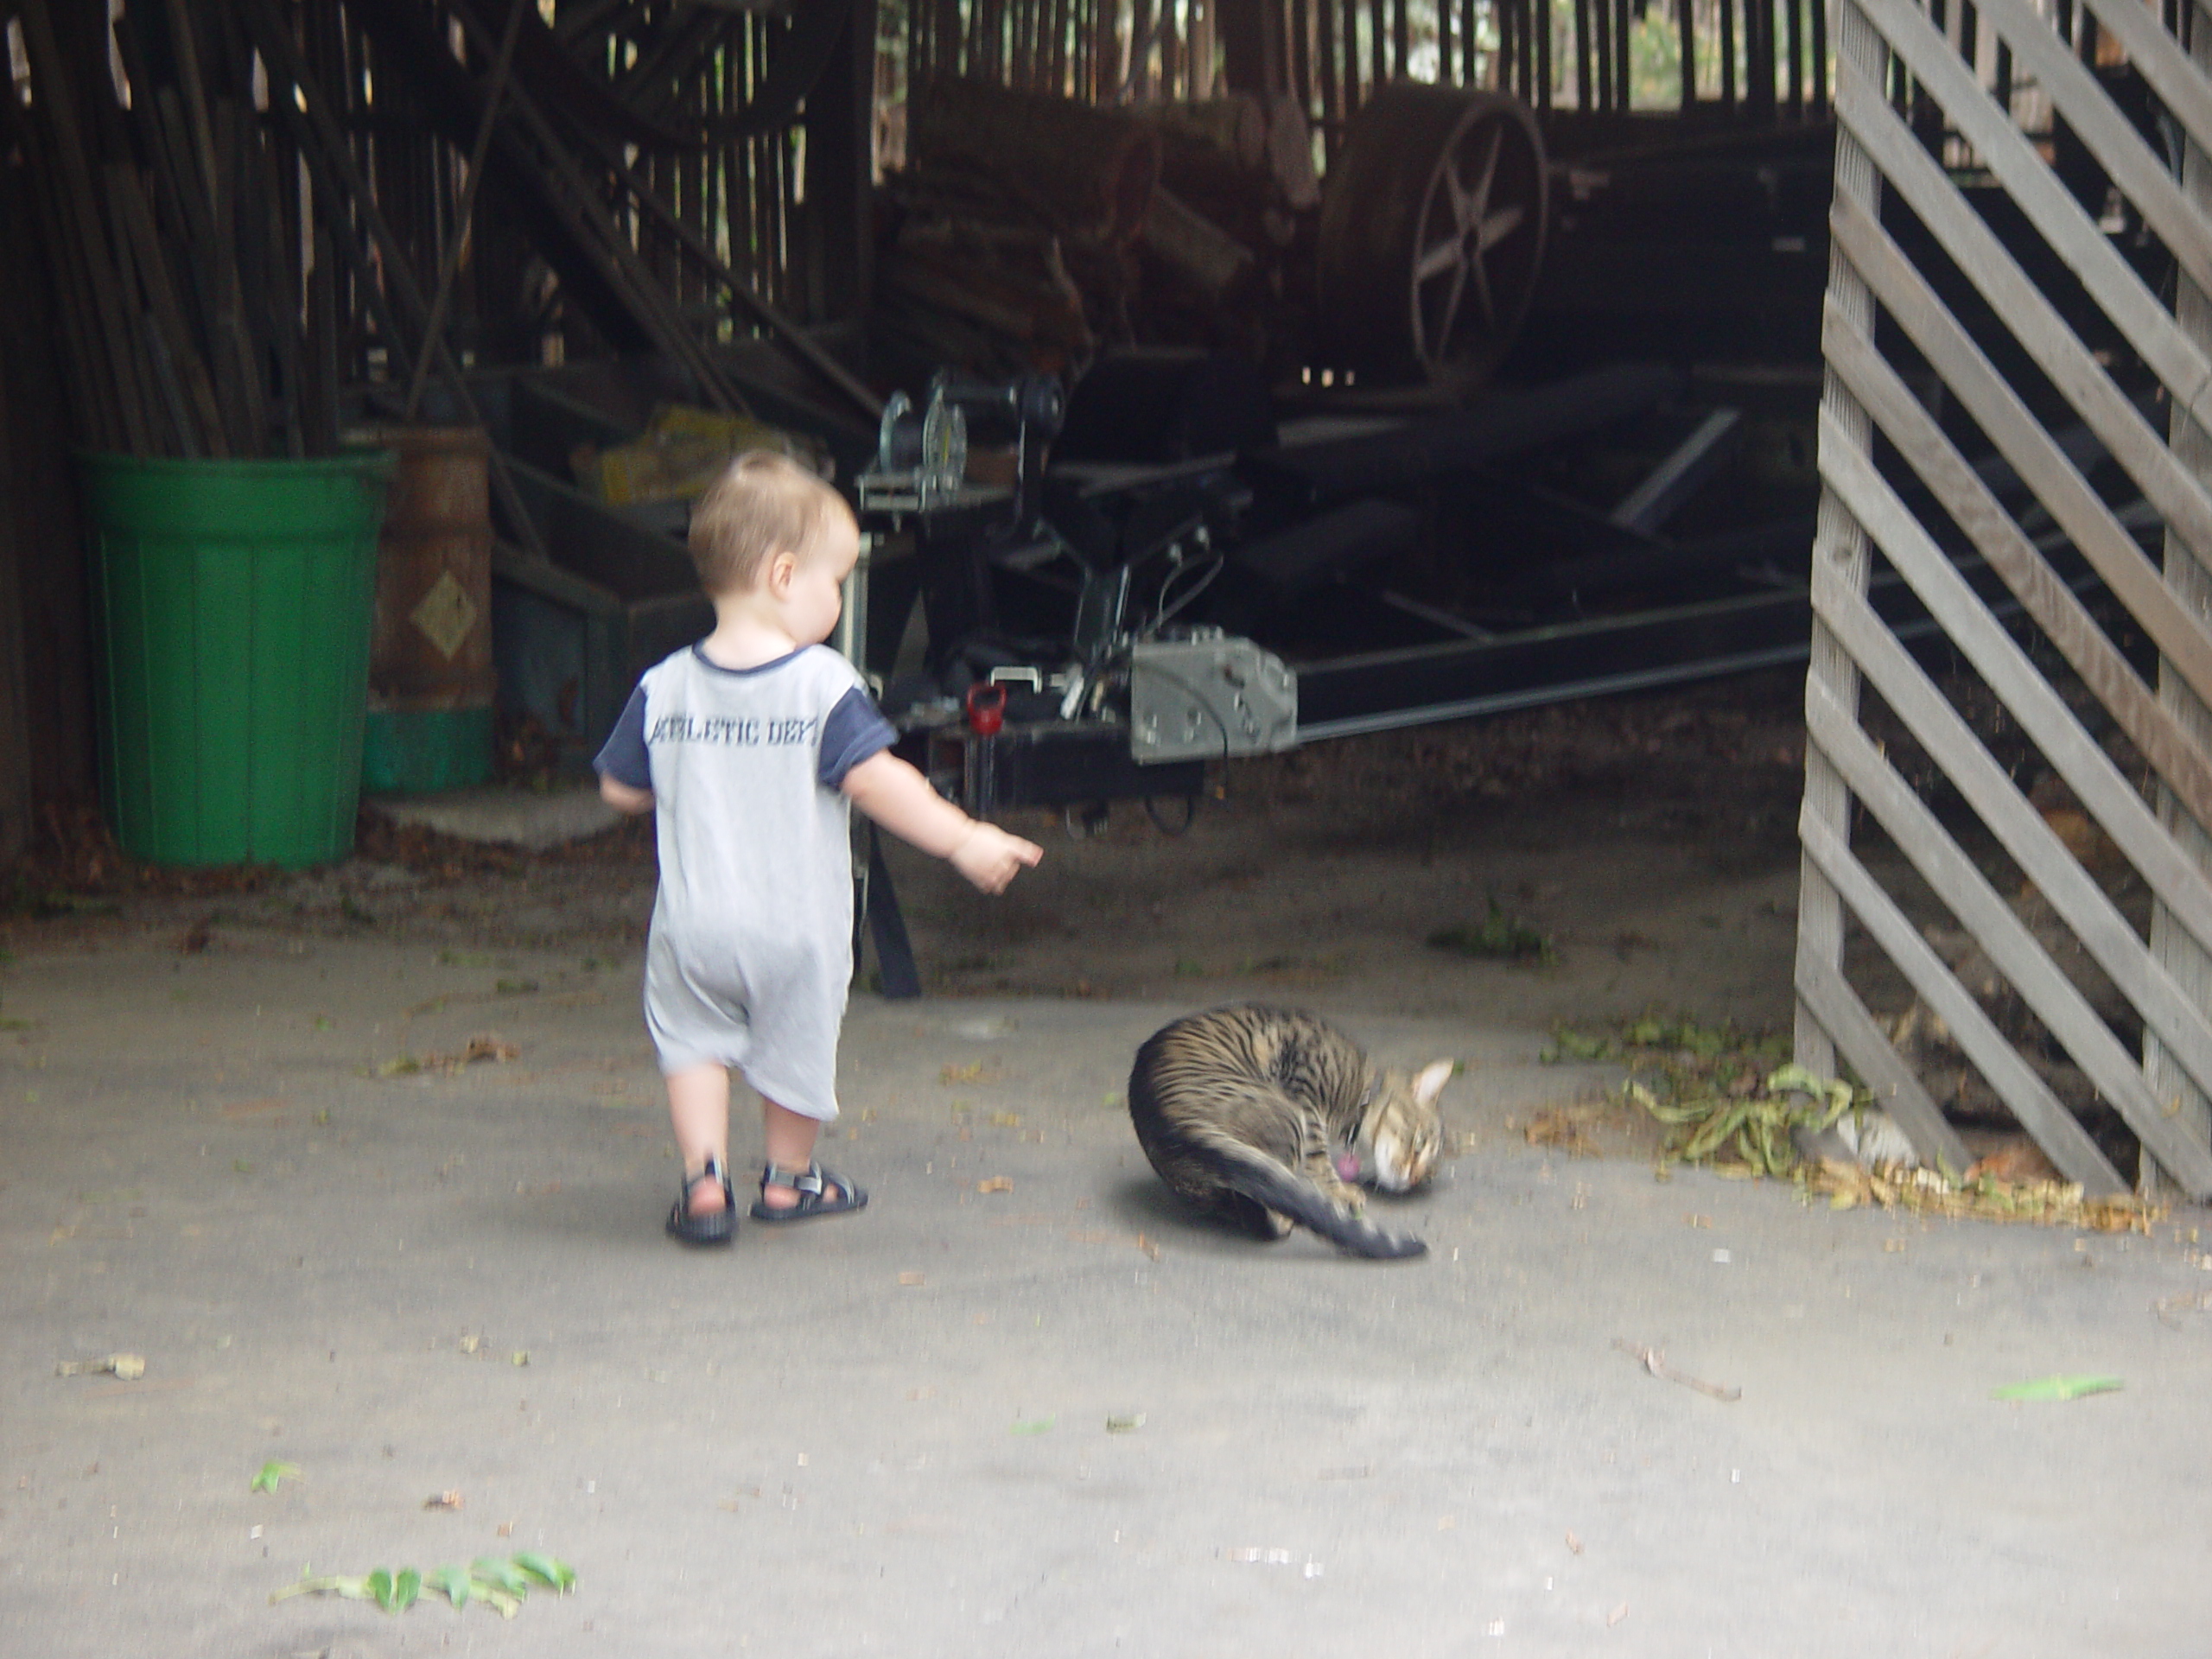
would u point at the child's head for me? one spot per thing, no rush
(764, 506)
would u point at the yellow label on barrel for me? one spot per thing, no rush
(445, 614)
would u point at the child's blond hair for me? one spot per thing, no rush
(763, 505)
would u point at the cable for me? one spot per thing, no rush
(1165, 611)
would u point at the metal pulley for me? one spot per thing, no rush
(1432, 233)
(921, 456)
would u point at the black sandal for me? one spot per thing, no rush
(718, 1228)
(812, 1188)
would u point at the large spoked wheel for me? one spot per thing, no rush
(1432, 233)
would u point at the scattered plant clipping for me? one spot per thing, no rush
(1498, 938)
(273, 1472)
(2058, 1387)
(500, 1584)
(1980, 1195)
(1731, 1102)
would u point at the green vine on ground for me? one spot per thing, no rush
(501, 1585)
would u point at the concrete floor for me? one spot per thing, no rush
(890, 1434)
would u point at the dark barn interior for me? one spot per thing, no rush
(1658, 550)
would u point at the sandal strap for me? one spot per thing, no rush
(712, 1170)
(809, 1181)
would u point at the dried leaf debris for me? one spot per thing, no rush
(1732, 1103)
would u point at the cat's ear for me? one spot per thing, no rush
(1430, 1084)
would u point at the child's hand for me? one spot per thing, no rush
(990, 858)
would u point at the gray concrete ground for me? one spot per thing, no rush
(891, 1434)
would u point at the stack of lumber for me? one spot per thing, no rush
(1028, 230)
(191, 324)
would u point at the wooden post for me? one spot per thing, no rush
(1584, 54)
(840, 167)
(1540, 24)
(14, 717)
(1728, 55)
(1686, 18)
(2183, 957)
(1840, 545)
(1251, 33)
(1820, 59)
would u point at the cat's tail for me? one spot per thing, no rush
(1269, 1182)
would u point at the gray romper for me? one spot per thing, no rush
(751, 948)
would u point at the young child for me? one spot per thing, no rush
(750, 744)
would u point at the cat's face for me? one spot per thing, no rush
(1402, 1135)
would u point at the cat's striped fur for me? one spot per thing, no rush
(1266, 1117)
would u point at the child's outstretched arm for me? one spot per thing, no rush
(623, 797)
(900, 799)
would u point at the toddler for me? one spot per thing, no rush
(749, 744)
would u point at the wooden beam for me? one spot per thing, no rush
(2179, 952)
(1839, 542)
(840, 181)
(457, 236)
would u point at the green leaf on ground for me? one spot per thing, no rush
(272, 1472)
(406, 1586)
(501, 1575)
(2058, 1387)
(1498, 938)
(380, 1587)
(559, 1574)
(451, 1582)
(505, 1604)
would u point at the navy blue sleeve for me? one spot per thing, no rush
(623, 756)
(852, 731)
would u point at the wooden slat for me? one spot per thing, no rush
(1837, 539)
(2043, 593)
(2077, 508)
(2041, 1113)
(2179, 365)
(2001, 933)
(1896, 1090)
(2108, 134)
(2180, 85)
(2180, 956)
(2043, 714)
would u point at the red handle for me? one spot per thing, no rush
(986, 709)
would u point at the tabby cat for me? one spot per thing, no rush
(1266, 1117)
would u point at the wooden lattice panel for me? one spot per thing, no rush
(1906, 86)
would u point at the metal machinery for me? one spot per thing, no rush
(1120, 700)
(1432, 232)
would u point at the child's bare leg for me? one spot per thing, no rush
(789, 1137)
(698, 1109)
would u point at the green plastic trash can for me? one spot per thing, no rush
(235, 600)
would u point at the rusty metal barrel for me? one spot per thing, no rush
(430, 676)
